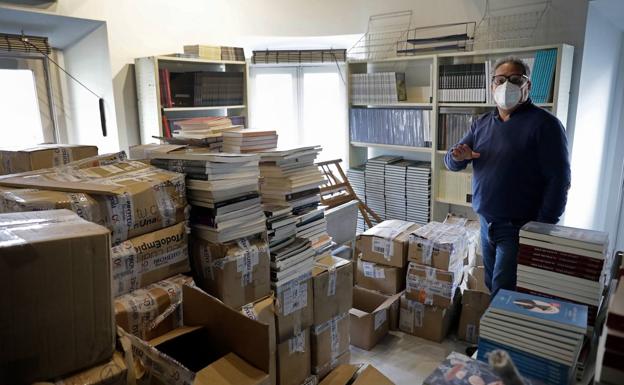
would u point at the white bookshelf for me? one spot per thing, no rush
(148, 91)
(421, 74)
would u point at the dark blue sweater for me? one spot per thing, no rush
(524, 171)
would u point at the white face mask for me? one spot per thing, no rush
(507, 95)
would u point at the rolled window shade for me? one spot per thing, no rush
(14, 43)
(299, 56)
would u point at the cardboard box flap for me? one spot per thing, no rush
(229, 370)
(388, 302)
(36, 181)
(372, 376)
(389, 229)
(474, 277)
(328, 262)
(342, 375)
(367, 300)
(225, 325)
(431, 273)
(150, 150)
(358, 313)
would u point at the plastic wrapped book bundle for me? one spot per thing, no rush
(405, 127)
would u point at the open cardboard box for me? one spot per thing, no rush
(370, 320)
(475, 301)
(263, 311)
(348, 374)
(216, 346)
(386, 243)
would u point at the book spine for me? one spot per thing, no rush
(571, 270)
(559, 256)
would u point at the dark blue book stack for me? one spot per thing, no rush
(543, 336)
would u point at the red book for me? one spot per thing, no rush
(559, 256)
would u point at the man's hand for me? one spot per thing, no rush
(463, 152)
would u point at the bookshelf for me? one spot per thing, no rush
(422, 78)
(151, 110)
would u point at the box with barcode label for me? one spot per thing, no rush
(431, 286)
(333, 288)
(42, 156)
(370, 318)
(384, 279)
(440, 245)
(475, 301)
(329, 340)
(386, 243)
(294, 359)
(428, 322)
(236, 272)
(294, 305)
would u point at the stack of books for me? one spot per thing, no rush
(249, 140)
(397, 126)
(201, 128)
(209, 52)
(378, 88)
(418, 192)
(207, 88)
(290, 258)
(290, 178)
(357, 180)
(463, 83)
(544, 337)
(543, 75)
(223, 191)
(610, 356)
(232, 54)
(375, 183)
(453, 124)
(563, 263)
(395, 189)
(281, 223)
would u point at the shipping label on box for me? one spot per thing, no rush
(429, 322)
(386, 243)
(330, 340)
(431, 286)
(440, 245)
(150, 258)
(294, 305)
(236, 272)
(154, 310)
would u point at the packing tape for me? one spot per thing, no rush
(246, 259)
(167, 206)
(8, 238)
(430, 287)
(206, 262)
(80, 205)
(61, 156)
(121, 211)
(331, 284)
(427, 251)
(441, 236)
(159, 365)
(294, 294)
(297, 343)
(369, 269)
(471, 334)
(335, 338)
(430, 273)
(250, 312)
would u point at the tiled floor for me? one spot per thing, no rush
(405, 359)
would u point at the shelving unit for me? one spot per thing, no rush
(148, 91)
(421, 78)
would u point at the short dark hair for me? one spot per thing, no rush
(516, 61)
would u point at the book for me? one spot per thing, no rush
(220, 236)
(542, 311)
(472, 372)
(584, 239)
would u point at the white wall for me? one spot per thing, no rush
(590, 202)
(88, 61)
(139, 28)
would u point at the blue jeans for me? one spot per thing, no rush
(499, 242)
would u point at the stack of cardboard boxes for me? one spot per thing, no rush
(437, 254)
(43, 156)
(380, 279)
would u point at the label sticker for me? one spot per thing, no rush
(331, 285)
(250, 312)
(380, 273)
(297, 344)
(383, 246)
(295, 297)
(369, 269)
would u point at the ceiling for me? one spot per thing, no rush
(61, 31)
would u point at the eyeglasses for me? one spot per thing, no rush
(518, 80)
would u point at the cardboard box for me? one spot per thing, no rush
(138, 198)
(154, 310)
(431, 286)
(386, 243)
(428, 322)
(294, 359)
(237, 272)
(148, 151)
(372, 376)
(333, 288)
(440, 245)
(55, 286)
(384, 279)
(393, 311)
(475, 301)
(294, 309)
(342, 374)
(369, 317)
(473, 232)
(329, 341)
(322, 371)
(42, 156)
(263, 312)
(113, 372)
(150, 258)
(217, 345)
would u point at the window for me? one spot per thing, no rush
(24, 102)
(305, 105)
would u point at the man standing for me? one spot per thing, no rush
(519, 154)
